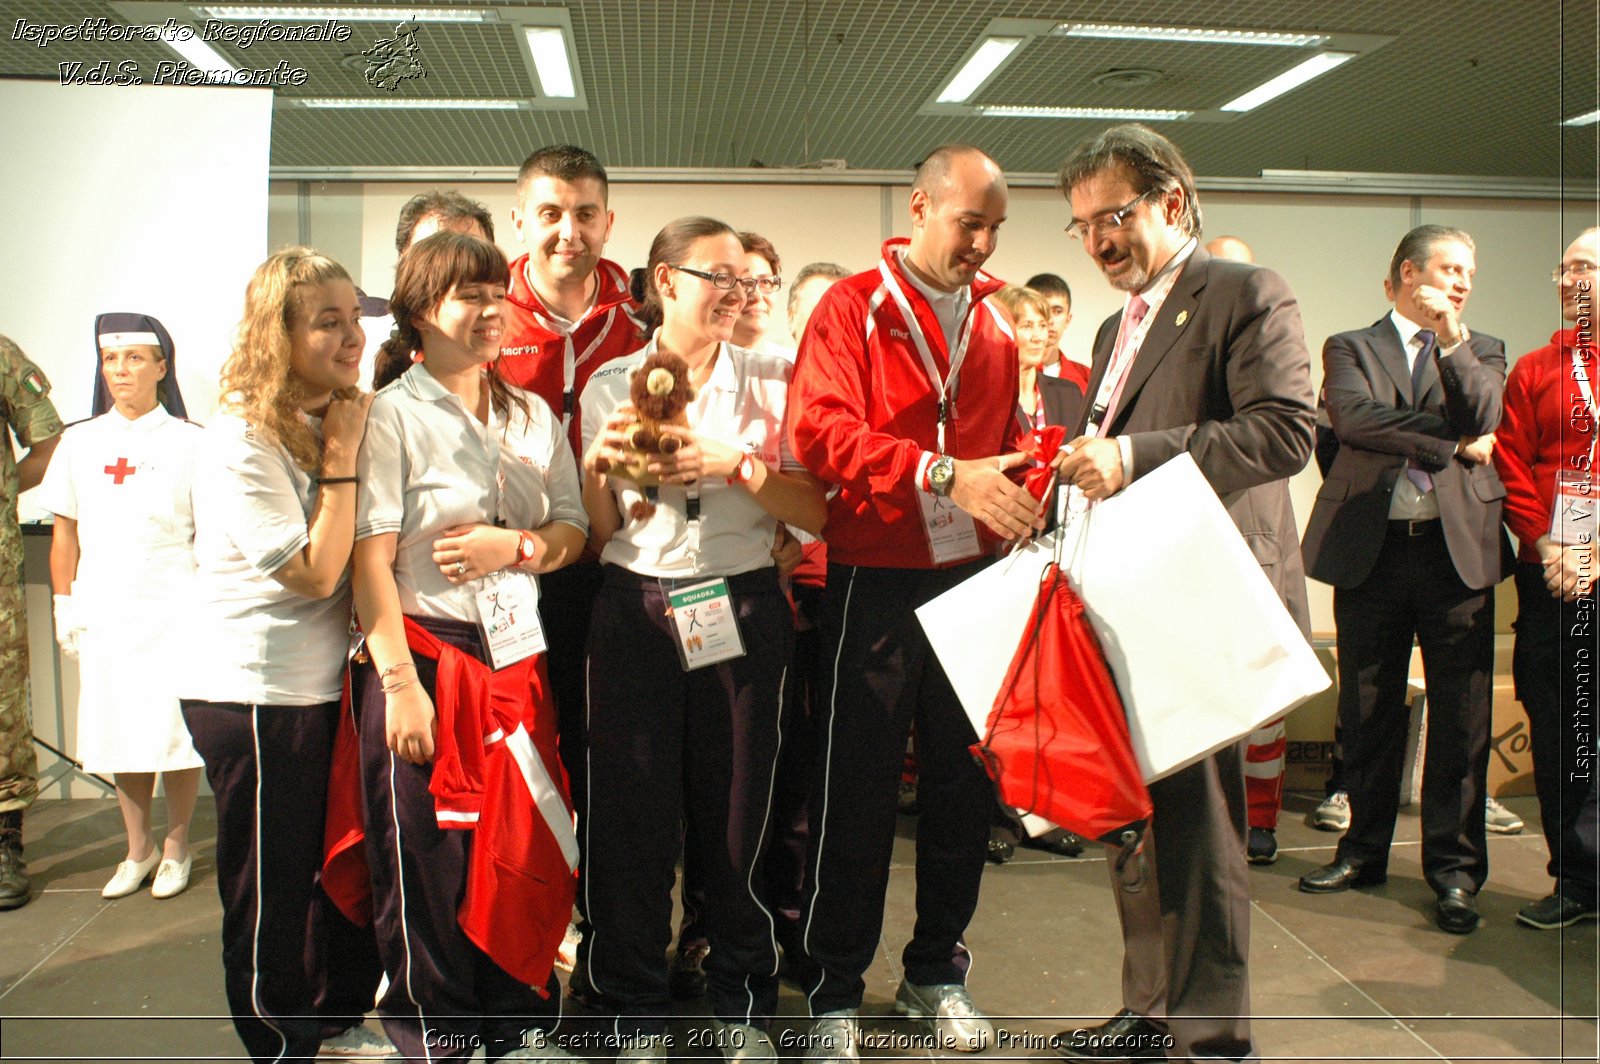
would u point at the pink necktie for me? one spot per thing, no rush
(1130, 325)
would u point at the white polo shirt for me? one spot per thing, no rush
(251, 639)
(741, 405)
(427, 464)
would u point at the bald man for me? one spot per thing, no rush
(1230, 248)
(902, 397)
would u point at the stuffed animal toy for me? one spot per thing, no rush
(660, 392)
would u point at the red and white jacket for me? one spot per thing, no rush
(496, 772)
(539, 357)
(863, 414)
(1547, 427)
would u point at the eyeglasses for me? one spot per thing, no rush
(1110, 220)
(1572, 269)
(726, 281)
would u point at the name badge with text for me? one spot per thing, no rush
(706, 623)
(1572, 518)
(952, 534)
(508, 618)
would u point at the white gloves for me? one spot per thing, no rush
(69, 626)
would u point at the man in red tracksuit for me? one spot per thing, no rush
(567, 313)
(903, 397)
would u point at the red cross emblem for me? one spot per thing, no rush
(122, 470)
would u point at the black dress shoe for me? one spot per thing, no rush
(1457, 911)
(1341, 875)
(1126, 1036)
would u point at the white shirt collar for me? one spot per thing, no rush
(1407, 329)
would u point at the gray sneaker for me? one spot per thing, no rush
(1333, 814)
(357, 1043)
(835, 1038)
(745, 1043)
(1500, 820)
(948, 1008)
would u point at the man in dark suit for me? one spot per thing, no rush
(1406, 528)
(1207, 357)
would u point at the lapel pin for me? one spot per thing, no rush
(1183, 316)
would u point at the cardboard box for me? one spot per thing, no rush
(1309, 751)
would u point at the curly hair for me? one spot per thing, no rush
(258, 381)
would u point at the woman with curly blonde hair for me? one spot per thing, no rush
(274, 515)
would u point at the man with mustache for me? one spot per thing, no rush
(1406, 528)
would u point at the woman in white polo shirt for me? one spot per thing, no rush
(274, 516)
(468, 490)
(684, 710)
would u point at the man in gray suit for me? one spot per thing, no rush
(1406, 528)
(1207, 357)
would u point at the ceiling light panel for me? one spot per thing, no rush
(1190, 35)
(347, 14)
(1289, 80)
(1120, 114)
(990, 56)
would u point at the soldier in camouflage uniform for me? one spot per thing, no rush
(26, 410)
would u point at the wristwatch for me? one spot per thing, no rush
(941, 475)
(744, 471)
(526, 548)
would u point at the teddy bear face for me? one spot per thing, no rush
(660, 388)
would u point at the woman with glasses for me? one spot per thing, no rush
(689, 652)
(755, 321)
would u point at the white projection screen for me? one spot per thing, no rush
(138, 198)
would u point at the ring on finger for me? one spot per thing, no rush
(461, 568)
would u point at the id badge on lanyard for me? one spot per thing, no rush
(951, 532)
(706, 624)
(1572, 513)
(507, 601)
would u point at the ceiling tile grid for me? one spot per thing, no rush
(1465, 87)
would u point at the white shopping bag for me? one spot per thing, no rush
(1202, 648)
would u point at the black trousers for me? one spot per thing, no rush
(880, 677)
(445, 996)
(1414, 590)
(1557, 653)
(786, 859)
(294, 968)
(666, 746)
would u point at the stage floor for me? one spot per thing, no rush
(1362, 975)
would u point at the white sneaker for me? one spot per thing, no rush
(172, 877)
(358, 1043)
(1333, 814)
(744, 1043)
(130, 875)
(835, 1038)
(949, 1010)
(1500, 820)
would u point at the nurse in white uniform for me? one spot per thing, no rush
(121, 563)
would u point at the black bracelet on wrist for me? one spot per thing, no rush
(338, 480)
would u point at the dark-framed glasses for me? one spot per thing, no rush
(726, 281)
(1110, 220)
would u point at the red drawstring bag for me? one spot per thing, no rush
(1057, 740)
